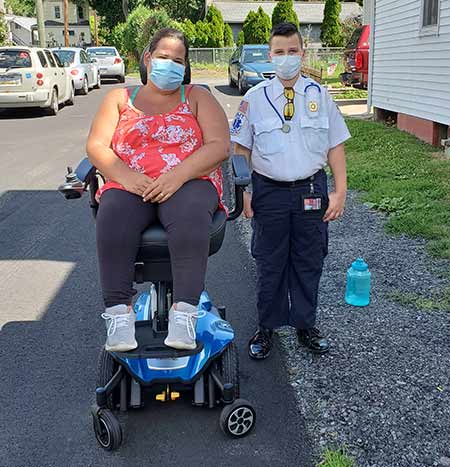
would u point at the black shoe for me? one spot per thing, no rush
(313, 341)
(260, 344)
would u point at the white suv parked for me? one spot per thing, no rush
(33, 77)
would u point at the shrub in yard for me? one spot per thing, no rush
(216, 24)
(156, 20)
(133, 28)
(116, 38)
(331, 35)
(348, 27)
(257, 27)
(228, 38)
(240, 38)
(3, 30)
(284, 13)
(187, 27)
(202, 34)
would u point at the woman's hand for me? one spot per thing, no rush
(248, 211)
(336, 206)
(136, 182)
(163, 187)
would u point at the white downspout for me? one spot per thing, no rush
(371, 54)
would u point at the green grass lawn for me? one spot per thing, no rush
(404, 177)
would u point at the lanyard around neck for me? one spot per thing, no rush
(273, 107)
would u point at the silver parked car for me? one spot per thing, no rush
(84, 71)
(109, 61)
(33, 77)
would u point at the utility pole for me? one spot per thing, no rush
(95, 29)
(66, 23)
(40, 22)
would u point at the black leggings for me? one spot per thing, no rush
(186, 217)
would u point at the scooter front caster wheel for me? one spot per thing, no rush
(238, 418)
(108, 431)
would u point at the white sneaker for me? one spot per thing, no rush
(182, 323)
(120, 329)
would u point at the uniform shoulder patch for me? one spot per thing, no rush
(243, 106)
(237, 124)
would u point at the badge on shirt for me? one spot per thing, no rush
(313, 106)
(237, 124)
(312, 204)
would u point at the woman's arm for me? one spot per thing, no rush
(216, 147)
(99, 150)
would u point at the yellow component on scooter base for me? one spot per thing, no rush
(167, 395)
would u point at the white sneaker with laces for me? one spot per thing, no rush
(120, 329)
(182, 324)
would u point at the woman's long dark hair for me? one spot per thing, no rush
(161, 34)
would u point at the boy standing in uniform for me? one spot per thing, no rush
(290, 129)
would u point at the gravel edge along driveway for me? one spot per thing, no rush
(383, 391)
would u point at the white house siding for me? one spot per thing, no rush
(411, 72)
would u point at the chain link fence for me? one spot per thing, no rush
(327, 59)
(210, 56)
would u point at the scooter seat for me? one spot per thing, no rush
(154, 245)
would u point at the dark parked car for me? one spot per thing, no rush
(356, 59)
(249, 65)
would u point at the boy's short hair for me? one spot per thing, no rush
(286, 30)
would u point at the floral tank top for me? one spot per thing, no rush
(154, 144)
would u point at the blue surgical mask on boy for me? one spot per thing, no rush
(287, 66)
(166, 74)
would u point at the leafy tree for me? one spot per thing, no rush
(157, 19)
(348, 27)
(111, 12)
(179, 9)
(284, 13)
(20, 7)
(215, 20)
(133, 28)
(257, 27)
(116, 38)
(188, 29)
(331, 35)
(228, 38)
(3, 30)
(202, 34)
(240, 38)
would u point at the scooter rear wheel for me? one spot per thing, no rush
(106, 369)
(229, 367)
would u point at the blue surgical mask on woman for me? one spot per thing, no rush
(287, 66)
(166, 74)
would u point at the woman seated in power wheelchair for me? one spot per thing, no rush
(159, 148)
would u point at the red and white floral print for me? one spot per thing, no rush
(154, 144)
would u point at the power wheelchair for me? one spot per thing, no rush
(210, 372)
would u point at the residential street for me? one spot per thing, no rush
(51, 331)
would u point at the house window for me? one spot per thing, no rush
(80, 12)
(57, 12)
(71, 33)
(430, 13)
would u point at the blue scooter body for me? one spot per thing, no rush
(212, 331)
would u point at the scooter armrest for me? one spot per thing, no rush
(241, 174)
(241, 171)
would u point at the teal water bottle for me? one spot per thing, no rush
(357, 292)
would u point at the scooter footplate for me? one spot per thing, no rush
(151, 345)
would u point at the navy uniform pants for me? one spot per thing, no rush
(289, 247)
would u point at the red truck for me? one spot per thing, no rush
(356, 59)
